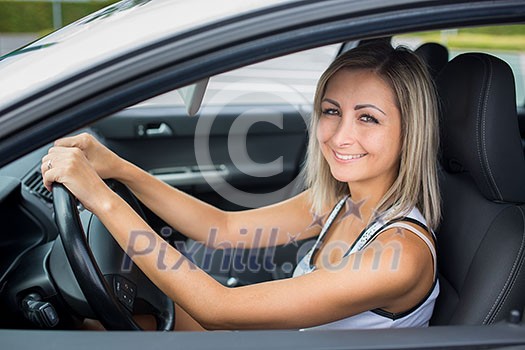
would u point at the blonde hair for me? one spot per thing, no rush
(417, 180)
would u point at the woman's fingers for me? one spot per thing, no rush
(59, 149)
(46, 165)
(102, 160)
(49, 178)
(80, 141)
(66, 162)
(50, 169)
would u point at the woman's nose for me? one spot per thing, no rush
(344, 134)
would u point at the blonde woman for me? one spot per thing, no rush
(372, 200)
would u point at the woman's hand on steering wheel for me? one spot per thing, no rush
(105, 162)
(69, 166)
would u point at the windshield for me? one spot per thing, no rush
(109, 33)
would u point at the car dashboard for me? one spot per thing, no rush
(28, 295)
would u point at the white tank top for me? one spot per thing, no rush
(419, 315)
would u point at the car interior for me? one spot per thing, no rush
(243, 134)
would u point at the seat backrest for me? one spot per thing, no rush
(481, 240)
(434, 55)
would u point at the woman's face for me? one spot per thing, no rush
(359, 130)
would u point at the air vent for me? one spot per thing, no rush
(36, 186)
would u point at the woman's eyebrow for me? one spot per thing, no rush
(357, 107)
(329, 100)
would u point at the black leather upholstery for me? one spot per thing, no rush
(434, 55)
(480, 126)
(481, 240)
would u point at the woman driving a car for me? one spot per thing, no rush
(371, 201)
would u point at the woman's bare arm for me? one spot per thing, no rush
(268, 226)
(395, 274)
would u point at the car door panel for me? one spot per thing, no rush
(273, 151)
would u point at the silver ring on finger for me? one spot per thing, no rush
(49, 165)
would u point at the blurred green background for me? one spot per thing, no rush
(37, 16)
(509, 38)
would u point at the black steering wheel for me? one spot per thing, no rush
(113, 292)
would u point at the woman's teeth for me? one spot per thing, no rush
(349, 156)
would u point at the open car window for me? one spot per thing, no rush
(290, 79)
(504, 42)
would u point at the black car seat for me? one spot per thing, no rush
(481, 240)
(434, 55)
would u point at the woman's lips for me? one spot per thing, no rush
(348, 157)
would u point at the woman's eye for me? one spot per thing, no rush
(367, 118)
(330, 111)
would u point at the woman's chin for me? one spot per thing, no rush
(343, 177)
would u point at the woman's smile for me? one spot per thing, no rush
(348, 158)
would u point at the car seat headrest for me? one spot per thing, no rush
(479, 125)
(434, 55)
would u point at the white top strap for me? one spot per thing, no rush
(421, 235)
(324, 230)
